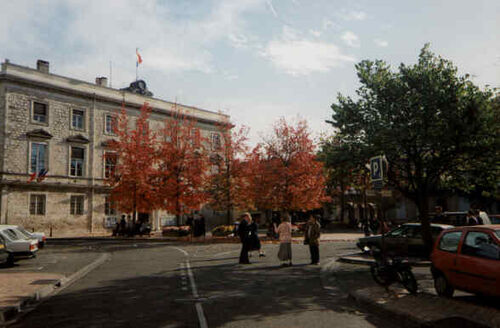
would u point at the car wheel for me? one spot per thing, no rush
(442, 286)
(10, 260)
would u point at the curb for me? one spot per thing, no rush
(56, 241)
(403, 318)
(368, 261)
(10, 314)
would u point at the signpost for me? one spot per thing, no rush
(377, 171)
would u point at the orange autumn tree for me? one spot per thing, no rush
(181, 167)
(291, 173)
(134, 152)
(227, 185)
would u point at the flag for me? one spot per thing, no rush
(139, 58)
(32, 176)
(42, 175)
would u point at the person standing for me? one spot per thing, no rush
(312, 238)
(284, 231)
(470, 218)
(243, 232)
(255, 244)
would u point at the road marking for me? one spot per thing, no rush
(181, 250)
(199, 308)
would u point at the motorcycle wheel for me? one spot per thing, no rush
(379, 275)
(408, 280)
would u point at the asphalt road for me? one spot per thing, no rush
(159, 285)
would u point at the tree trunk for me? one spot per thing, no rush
(423, 209)
(342, 202)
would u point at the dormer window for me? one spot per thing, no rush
(40, 112)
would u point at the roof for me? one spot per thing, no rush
(14, 72)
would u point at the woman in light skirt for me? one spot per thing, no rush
(285, 236)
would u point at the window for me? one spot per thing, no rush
(481, 244)
(216, 143)
(77, 160)
(76, 205)
(37, 204)
(38, 157)
(109, 124)
(449, 241)
(398, 232)
(40, 112)
(109, 164)
(77, 119)
(109, 206)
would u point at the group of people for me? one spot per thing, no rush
(127, 227)
(197, 224)
(473, 217)
(248, 233)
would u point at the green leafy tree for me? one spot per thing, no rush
(427, 120)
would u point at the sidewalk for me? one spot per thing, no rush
(157, 237)
(425, 309)
(32, 280)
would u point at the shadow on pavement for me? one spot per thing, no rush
(258, 295)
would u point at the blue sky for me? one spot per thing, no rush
(256, 60)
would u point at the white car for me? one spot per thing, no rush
(40, 236)
(17, 243)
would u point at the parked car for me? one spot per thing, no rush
(468, 259)
(6, 257)
(39, 236)
(452, 218)
(405, 239)
(17, 243)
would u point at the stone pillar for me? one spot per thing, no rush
(4, 200)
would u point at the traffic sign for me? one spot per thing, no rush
(376, 169)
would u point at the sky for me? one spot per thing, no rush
(256, 60)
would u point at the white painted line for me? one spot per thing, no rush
(181, 250)
(191, 279)
(199, 307)
(201, 315)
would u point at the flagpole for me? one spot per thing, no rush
(136, 65)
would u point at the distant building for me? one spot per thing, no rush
(61, 125)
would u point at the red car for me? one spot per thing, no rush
(468, 259)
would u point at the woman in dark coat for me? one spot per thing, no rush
(255, 244)
(243, 232)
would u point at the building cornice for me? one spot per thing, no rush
(31, 77)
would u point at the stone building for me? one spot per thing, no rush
(59, 126)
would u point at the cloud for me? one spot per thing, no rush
(381, 43)
(350, 39)
(271, 8)
(329, 24)
(298, 56)
(315, 33)
(352, 15)
(95, 32)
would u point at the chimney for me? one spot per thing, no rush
(42, 66)
(101, 81)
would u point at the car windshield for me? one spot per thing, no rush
(397, 232)
(498, 233)
(11, 234)
(24, 232)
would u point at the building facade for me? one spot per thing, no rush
(57, 128)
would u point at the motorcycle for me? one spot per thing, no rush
(386, 271)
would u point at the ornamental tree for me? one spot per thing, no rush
(181, 168)
(427, 120)
(131, 181)
(289, 169)
(228, 182)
